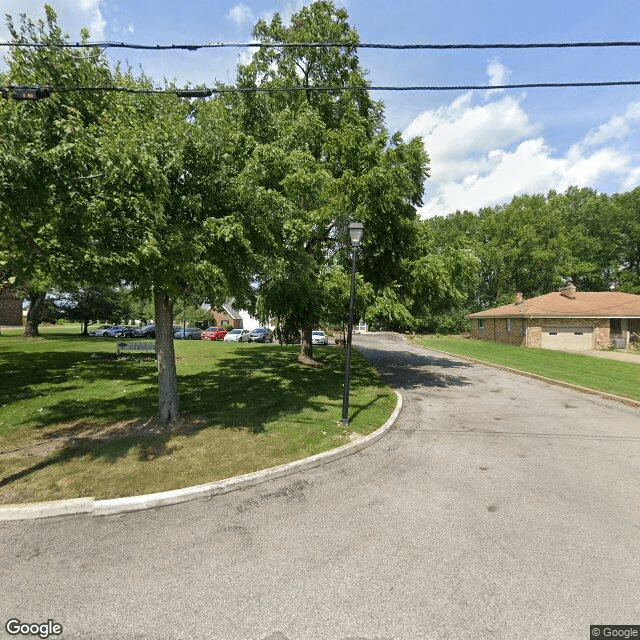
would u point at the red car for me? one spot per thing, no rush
(213, 333)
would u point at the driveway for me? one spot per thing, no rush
(499, 507)
(624, 356)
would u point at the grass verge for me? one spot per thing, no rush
(610, 376)
(74, 419)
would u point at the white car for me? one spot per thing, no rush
(237, 335)
(319, 337)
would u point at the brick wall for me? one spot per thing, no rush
(220, 318)
(495, 329)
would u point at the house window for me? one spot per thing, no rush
(508, 325)
(523, 328)
(480, 324)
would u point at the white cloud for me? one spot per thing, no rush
(498, 73)
(240, 14)
(484, 154)
(616, 128)
(461, 137)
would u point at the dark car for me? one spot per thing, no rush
(190, 333)
(148, 331)
(261, 334)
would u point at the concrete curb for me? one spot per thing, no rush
(95, 507)
(558, 383)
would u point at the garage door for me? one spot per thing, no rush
(567, 338)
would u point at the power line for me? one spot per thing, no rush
(324, 45)
(18, 92)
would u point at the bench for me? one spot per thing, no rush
(135, 346)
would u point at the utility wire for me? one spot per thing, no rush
(322, 45)
(18, 92)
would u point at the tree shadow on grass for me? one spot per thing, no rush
(253, 387)
(109, 449)
(23, 373)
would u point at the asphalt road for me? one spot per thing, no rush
(499, 507)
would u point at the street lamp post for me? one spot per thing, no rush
(355, 232)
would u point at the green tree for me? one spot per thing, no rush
(320, 159)
(116, 189)
(90, 304)
(627, 206)
(172, 227)
(47, 160)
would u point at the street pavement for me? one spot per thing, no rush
(499, 507)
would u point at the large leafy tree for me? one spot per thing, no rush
(118, 189)
(321, 157)
(173, 228)
(47, 160)
(627, 208)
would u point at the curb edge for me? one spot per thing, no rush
(559, 383)
(93, 507)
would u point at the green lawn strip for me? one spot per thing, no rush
(72, 415)
(610, 376)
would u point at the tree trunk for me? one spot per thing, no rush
(306, 347)
(168, 402)
(36, 303)
(85, 327)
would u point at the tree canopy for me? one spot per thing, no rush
(322, 158)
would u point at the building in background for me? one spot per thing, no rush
(566, 320)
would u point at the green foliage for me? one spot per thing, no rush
(320, 160)
(47, 159)
(99, 304)
(531, 245)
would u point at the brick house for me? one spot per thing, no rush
(567, 320)
(10, 307)
(226, 315)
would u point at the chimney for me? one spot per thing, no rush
(568, 291)
(519, 298)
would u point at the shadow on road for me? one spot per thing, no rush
(406, 370)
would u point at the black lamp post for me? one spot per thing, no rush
(355, 232)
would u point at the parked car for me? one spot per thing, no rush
(261, 334)
(213, 333)
(148, 331)
(99, 330)
(109, 331)
(129, 332)
(190, 333)
(319, 337)
(237, 335)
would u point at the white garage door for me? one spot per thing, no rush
(567, 338)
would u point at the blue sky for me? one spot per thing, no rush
(485, 146)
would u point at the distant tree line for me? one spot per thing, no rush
(533, 245)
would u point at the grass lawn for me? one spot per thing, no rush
(611, 376)
(74, 419)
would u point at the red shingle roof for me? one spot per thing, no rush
(597, 304)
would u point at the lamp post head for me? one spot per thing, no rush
(356, 230)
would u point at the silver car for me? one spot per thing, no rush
(237, 335)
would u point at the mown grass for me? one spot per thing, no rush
(611, 376)
(74, 418)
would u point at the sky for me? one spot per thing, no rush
(485, 147)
